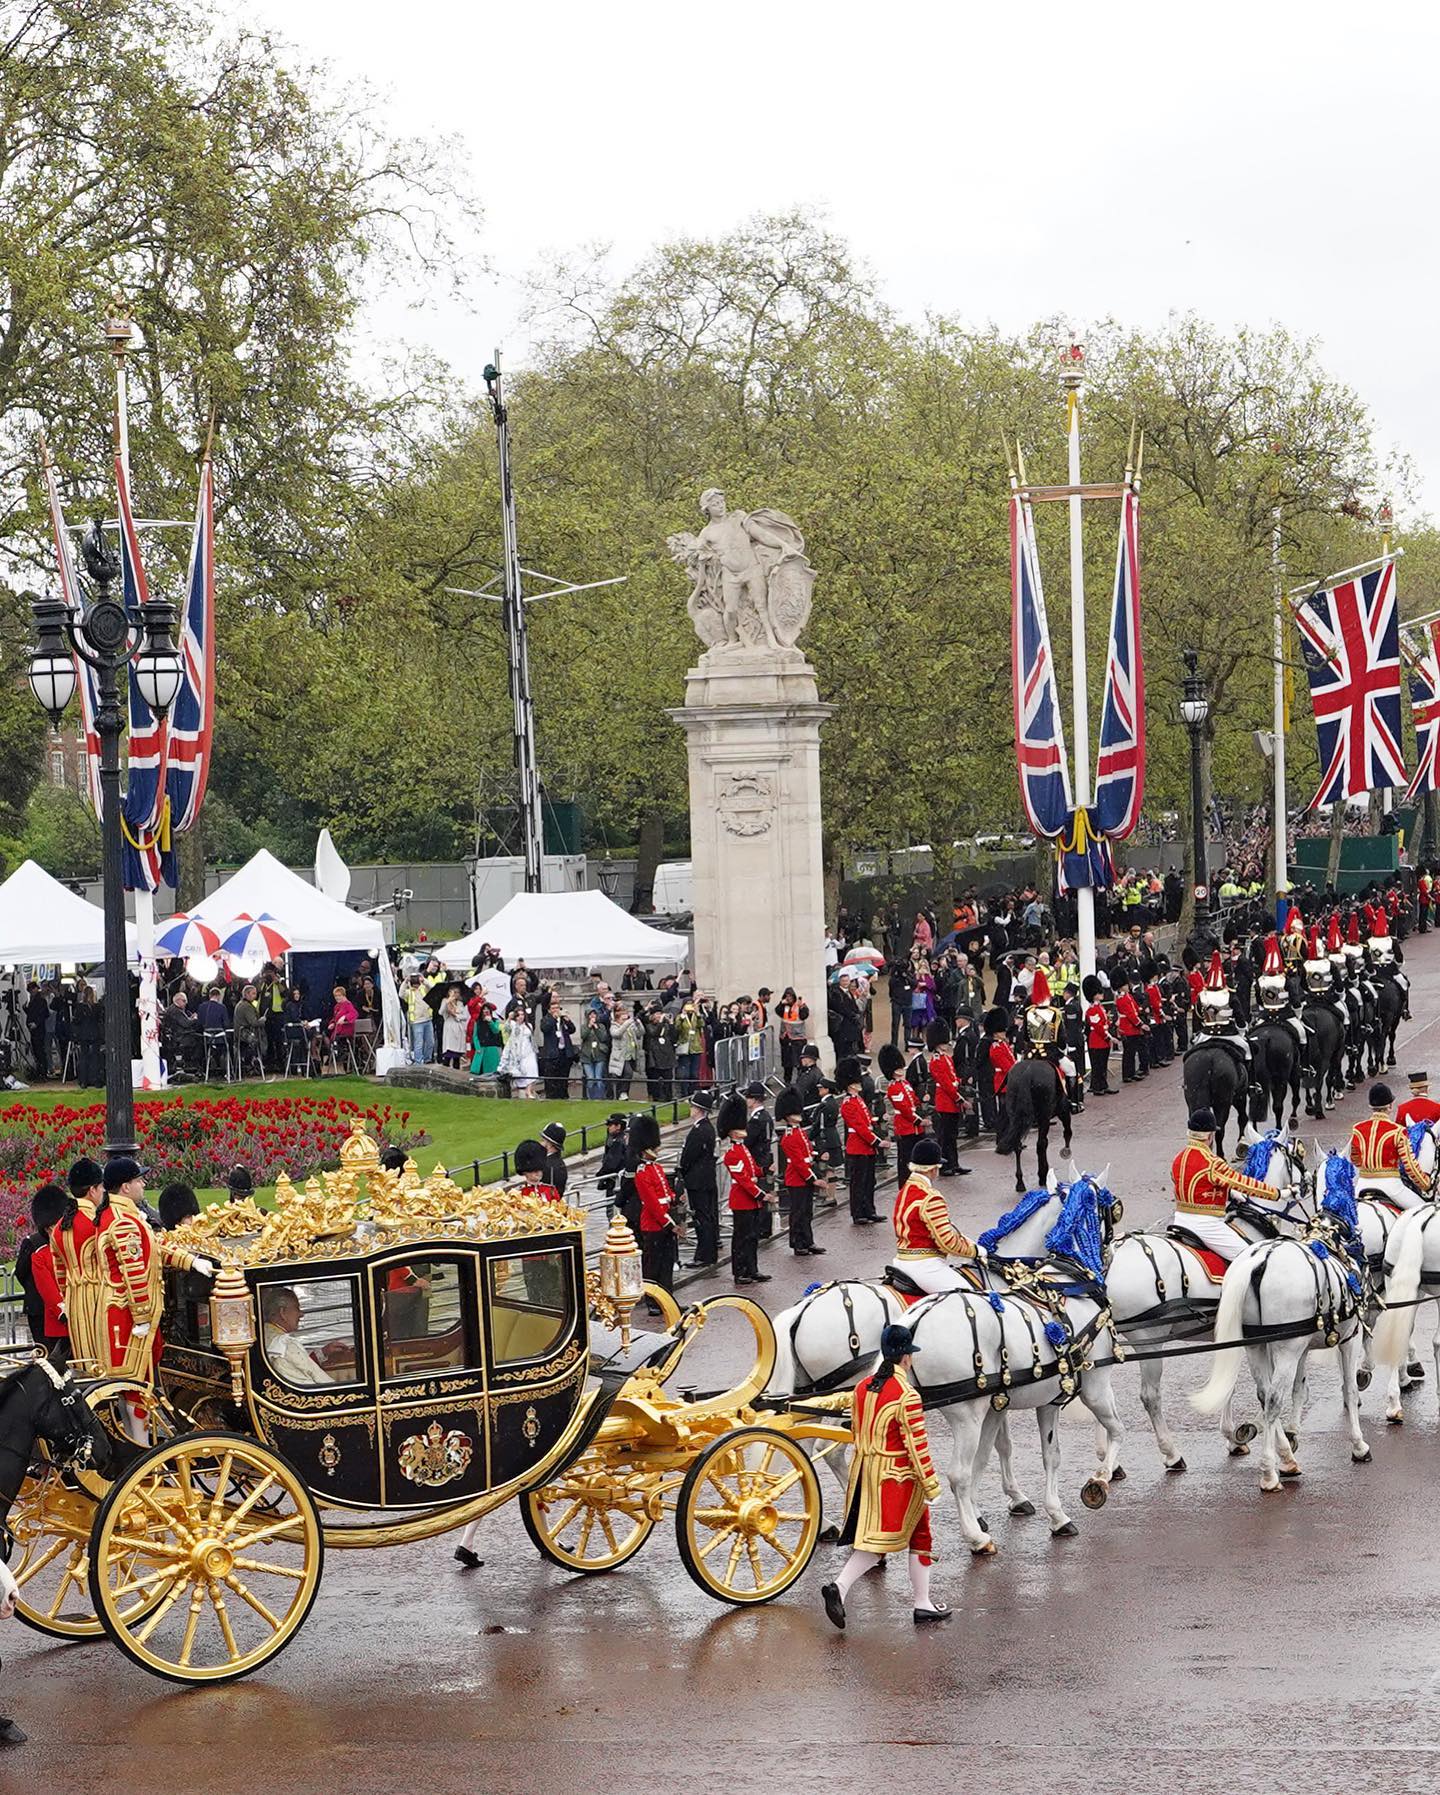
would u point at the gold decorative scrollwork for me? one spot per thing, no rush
(314, 1424)
(441, 1411)
(551, 1368)
(283, 1398)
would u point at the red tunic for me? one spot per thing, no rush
(923, 1228)
(1127, 1014)
(1002, 1058)
(125, 1249)
(859, 1126)
(1196, 980)
(892, 1477)
(1097, 1026)
(1156, 1002)
(653, 1189)
(901, 1094)
(796, 1151)
(744, 1177)
(1203, 1180)
(1380, 1146)
(1417, 1109)
(42, 1269)
(947, 1085)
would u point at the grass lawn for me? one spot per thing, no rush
(460, 1128)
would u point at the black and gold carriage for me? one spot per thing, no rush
(382, 1359)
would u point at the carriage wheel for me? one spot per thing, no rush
(227, 1580)
(51, 1521)
(592, 1517)
(748, 1515)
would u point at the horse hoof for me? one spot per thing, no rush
(1179, 1465)
(1118, 1475)
(1362, 1379)
(1068, 1531)
(1245, 1433)
(1416, 1371)
(1093, 1494)
(1239, 1450)
(1290, 1472)
(1361, 1458)
(1396, 1420)
(1293, 1438)
(1027, 1507)
(1269, 1489)
(828, 1536)
(988, 1550)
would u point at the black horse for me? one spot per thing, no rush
(1389, 1008)
(1034, 1098)
(38, 1402)
(1324, 1063)
(1215, 1079)
(1274, 1073)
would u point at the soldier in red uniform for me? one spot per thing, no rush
(859, 1126)
(892, 1481)
(659, 1231)
(904, 1104)
(1132, 1037)
(925, 1237)
(747, 1200)
(1098, 1038)
(1380, 1150)
(797, 1159)
(1203, 1182)
(1419, 1106)
(947, 1100)
(999, 1057)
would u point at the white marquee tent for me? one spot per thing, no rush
(43, 922)
(567, 928)
(313, 923)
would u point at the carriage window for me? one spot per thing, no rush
(530, 1300)
(308, 1329)
(424, 1322)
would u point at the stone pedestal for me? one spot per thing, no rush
(752, 722)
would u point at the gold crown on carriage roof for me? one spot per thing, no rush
(365, 1205)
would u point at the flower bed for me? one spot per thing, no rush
(194, 1142)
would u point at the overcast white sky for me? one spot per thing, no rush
(1260, 162)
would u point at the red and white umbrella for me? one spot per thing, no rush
(183, 937)
(255, 938)
(865, 958)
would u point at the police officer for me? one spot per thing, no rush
(696, 1175)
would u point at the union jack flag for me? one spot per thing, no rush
(1039, 728)
(1424, 663)
(147, 856)
(1120, 770)
(192, 716)
(1351, 637)
(74, 597)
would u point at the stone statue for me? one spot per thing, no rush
(750, 581)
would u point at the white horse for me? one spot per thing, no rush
(1281, 1298)
(979, 1354)
(1412, 1279)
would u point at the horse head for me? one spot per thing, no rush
(40, 1402)
(1086, 1224)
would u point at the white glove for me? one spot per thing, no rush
(981, 1255)
(140, 1332)
(206, 1267)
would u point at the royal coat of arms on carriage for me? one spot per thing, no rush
(436, 1457)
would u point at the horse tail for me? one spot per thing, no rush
(1227, 1330)
(1402, 1286)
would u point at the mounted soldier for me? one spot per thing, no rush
(1278, 1039)
(926, 1239)
(1204, 1183)
(1217, 1062)
(1385, 1167)
(1326, 1019)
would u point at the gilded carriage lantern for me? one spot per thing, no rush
(232, 1323)
(622, 1281)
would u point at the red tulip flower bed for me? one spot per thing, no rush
(194, 1143)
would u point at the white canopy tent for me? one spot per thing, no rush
(43, 922)
(310, 921)
(567, 928)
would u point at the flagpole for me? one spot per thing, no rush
(1072, 379)
(120, 337)
(1279, 810)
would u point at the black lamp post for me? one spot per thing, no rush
(1195, 708)
(105, 638)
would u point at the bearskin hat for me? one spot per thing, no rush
(890, 1060)
(644, 1136)
(530, 1157)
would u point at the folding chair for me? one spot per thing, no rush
(364, 1044)
(296, 1046)
(343, 1049)
(216, 1041)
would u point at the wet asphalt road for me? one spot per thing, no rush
(1196, 1635)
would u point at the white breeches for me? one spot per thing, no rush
(1389, 1190)
(932, 1275)
(1214, 1231)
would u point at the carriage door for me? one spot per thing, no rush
(432, 1379)
(538, 1353)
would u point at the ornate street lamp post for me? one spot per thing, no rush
(1195, 708)
(106, 638)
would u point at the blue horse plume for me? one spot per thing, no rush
(1076, 1233)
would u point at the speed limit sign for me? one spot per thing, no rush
(1201, 892)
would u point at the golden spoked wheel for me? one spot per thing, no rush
(592, 1517)
(226, 1580)
(749, 1515)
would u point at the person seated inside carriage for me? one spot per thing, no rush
(280, 1310)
